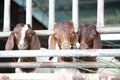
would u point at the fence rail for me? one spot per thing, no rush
(66, 53)
(51, 76)
(35, 76)
(102, 30)
(59, 65)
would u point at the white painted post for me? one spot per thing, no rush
(100, 13)
(75, 13)
(6, 25)
(29, 12)
(51, 17)
(51, 14)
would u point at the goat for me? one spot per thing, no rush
(89, 38)
(64, 37)
(24, 38)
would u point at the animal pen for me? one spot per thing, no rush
(72, 53)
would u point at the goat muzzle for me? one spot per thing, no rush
(66, 45)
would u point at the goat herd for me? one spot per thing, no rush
(64, 37)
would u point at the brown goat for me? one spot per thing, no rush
(64, 36)
(88, 38)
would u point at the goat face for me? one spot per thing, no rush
(89, 37)
(24, 37)
(64, 35)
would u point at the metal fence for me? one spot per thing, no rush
(67, 53)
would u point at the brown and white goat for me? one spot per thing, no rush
(24, 38)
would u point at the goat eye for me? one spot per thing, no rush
(78, 33)
(92, 35)
(31, 34)
(55, 36)
(16, 33)
(73, 33)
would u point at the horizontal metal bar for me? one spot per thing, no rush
(102, 30)
(39, 32)
(57, 76)
(108, 30)
(66, 53)
(59, 65)
(35, 76)
(110, 36)
(44, 32)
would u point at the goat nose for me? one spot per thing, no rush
(21, 45)
(66, 45)
(83, 46)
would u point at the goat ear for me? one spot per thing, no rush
(10, 42)
(35, 43)
(52, 42)
(97, 42)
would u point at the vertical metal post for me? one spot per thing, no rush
(6, 25)
(51, 14)
(29, 12)
(51, 17)
(100, 13)
(75, 13)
